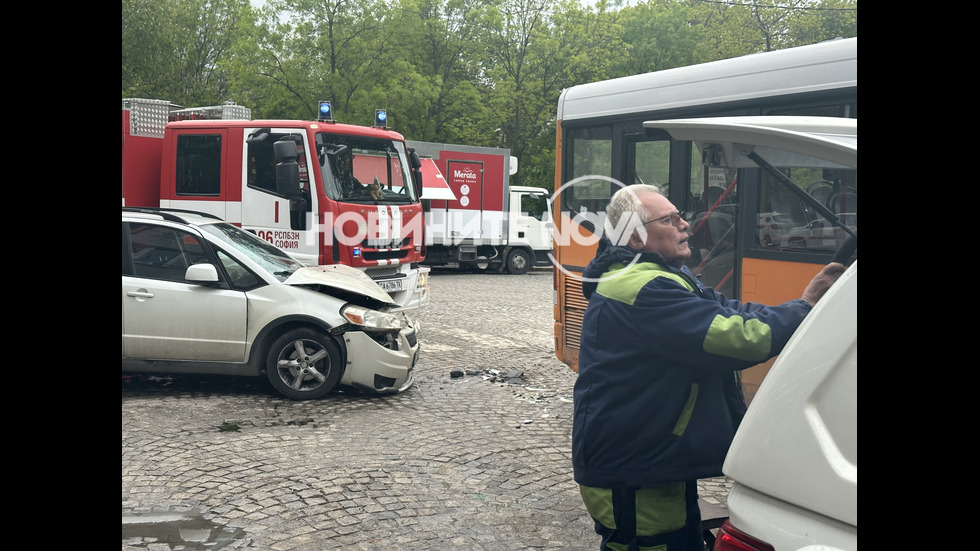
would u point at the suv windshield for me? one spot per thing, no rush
(361, 169)
(270, 258)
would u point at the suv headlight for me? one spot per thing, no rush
(372, 319)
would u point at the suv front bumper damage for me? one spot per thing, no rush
(380, 369)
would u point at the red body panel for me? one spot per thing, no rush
(456, 166)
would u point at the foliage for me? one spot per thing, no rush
(471, 72)
(177, 50)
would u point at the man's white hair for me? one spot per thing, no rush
(625, 206)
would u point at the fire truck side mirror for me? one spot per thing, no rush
(287, 169)
(413, 158)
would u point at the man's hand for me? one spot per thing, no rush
(822, 281)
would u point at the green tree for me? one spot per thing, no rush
(267, 76)
(731, 29)
(148, 63)
(311, 50)
(535, 50)
(441, 43)
(657, 35)
(727, 30)
(175, 50)
(828, 20)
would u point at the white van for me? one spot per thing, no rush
(793, 461)
(794, 457)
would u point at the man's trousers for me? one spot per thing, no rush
(661, 518)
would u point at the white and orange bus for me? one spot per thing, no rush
(752, 238)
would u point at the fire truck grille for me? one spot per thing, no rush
(388, 244)
(382, 272)
(384, 255)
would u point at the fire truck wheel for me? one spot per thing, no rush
(303, 364)
(518, 262)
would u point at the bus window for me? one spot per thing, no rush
(651, 164)
(712, 221)
(590, 153)
(847, 110)
(786, 222)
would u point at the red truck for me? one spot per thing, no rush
(481, 222)
(327, 193)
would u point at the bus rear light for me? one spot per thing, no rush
(730, 538)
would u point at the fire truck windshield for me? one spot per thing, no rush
(359, 169)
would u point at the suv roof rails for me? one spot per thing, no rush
(169, 213)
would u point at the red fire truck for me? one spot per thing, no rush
(327, 193)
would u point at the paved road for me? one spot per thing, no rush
(471, 462)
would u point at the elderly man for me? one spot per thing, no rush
(658, 399)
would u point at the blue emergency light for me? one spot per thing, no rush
(381, 118)
(326, 115)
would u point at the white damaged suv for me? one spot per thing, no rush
(203, 296)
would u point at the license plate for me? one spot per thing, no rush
(392, 285)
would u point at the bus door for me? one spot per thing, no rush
(713, 216)
(706, 196)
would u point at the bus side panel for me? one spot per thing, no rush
(771, 282)
(775, 281)
(571, 260)
(568, 331)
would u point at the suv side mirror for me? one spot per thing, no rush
(204, 273)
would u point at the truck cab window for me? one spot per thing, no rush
(534, 206)
(198, 164)
(262, 163)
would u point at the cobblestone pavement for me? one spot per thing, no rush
(470, 462)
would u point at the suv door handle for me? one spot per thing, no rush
(139, 294)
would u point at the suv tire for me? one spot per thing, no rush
(304, 364)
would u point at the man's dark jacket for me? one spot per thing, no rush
(657, 397)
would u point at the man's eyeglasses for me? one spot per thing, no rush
(674, 219)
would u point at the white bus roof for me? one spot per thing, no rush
(823, 66)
